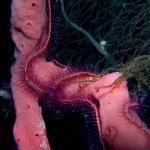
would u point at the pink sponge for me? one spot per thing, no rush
(32, 77)
(28, 23)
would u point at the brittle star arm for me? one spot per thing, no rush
(32, 77)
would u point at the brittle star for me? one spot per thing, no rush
(33, 78)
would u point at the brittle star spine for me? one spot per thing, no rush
(35, 54)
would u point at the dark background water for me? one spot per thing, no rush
(6, 45)
(7, 113)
